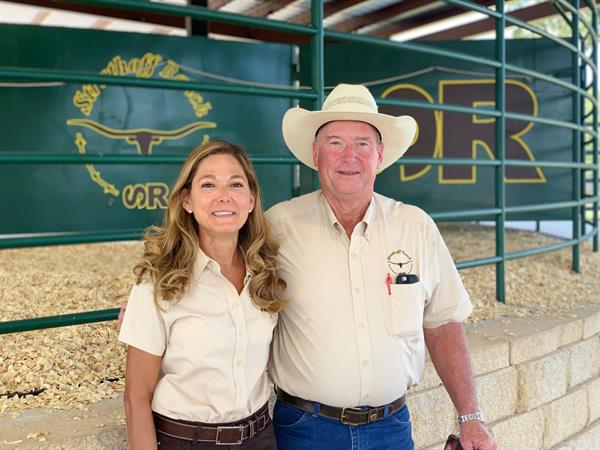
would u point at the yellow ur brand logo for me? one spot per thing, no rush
(448, 134)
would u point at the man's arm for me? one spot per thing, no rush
(448, 351)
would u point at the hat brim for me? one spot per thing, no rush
(299, 127)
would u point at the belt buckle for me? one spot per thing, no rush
(218, 441)
(343, 416)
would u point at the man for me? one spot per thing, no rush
(370, 281)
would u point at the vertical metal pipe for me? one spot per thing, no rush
(317, 69)
(582, 147)
(316, 52)
(596, 170)
(500, 150)
(576, 151)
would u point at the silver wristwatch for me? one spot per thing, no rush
(477, 415)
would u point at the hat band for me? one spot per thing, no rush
(350, 99)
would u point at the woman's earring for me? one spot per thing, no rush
(250, 210)
(189, 211)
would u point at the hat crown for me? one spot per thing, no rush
(347, 102)
(350, 98)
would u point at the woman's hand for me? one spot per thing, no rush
(121, 314)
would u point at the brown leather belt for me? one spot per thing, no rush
(212, 433)
(347, 416)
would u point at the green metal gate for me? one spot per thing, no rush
(583, 87)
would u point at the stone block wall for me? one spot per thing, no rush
(538, 382)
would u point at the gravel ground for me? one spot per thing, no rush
(75, 366)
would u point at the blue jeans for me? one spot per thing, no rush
(296, 429)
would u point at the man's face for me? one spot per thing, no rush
(347, 154)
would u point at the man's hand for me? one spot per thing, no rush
(474, 435)
(121, 315)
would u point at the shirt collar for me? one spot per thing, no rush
(368, 219)
(333, 224)
(203, 261)
(329, 218)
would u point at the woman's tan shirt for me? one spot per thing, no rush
(214, 345)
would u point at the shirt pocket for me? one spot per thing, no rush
(403, 309)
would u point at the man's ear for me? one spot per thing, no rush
(315, 154)
(379, 154)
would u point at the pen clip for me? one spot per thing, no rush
(388, 282)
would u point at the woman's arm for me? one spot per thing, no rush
(141, 374)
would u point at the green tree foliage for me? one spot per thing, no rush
(555, 24)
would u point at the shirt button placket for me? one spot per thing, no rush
(360, 319)
(239, 355)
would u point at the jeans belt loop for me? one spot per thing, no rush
(317, 409)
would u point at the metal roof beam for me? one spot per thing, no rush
(357, 22)
(172, 21)
(422, 19)
(328, 10)
(116, 13)
(217, 4)
(525, 14)
(266, 8)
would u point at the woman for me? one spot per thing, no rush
(200, 318)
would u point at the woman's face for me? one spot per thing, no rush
(220, 197)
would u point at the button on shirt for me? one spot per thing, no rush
(347, 337)
(214, 345)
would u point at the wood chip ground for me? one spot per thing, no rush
(74, 366)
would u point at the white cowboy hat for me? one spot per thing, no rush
(347, 102)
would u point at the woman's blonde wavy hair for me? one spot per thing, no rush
(170, 250)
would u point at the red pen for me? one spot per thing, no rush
(388, 281)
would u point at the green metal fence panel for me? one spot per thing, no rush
(595, 121)
(409, 46)
(581, 124)
(40, 323)
(317, 63)
(33, 74)
(576, 80)
(449, 97)
(116, 126)
(500, 151)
